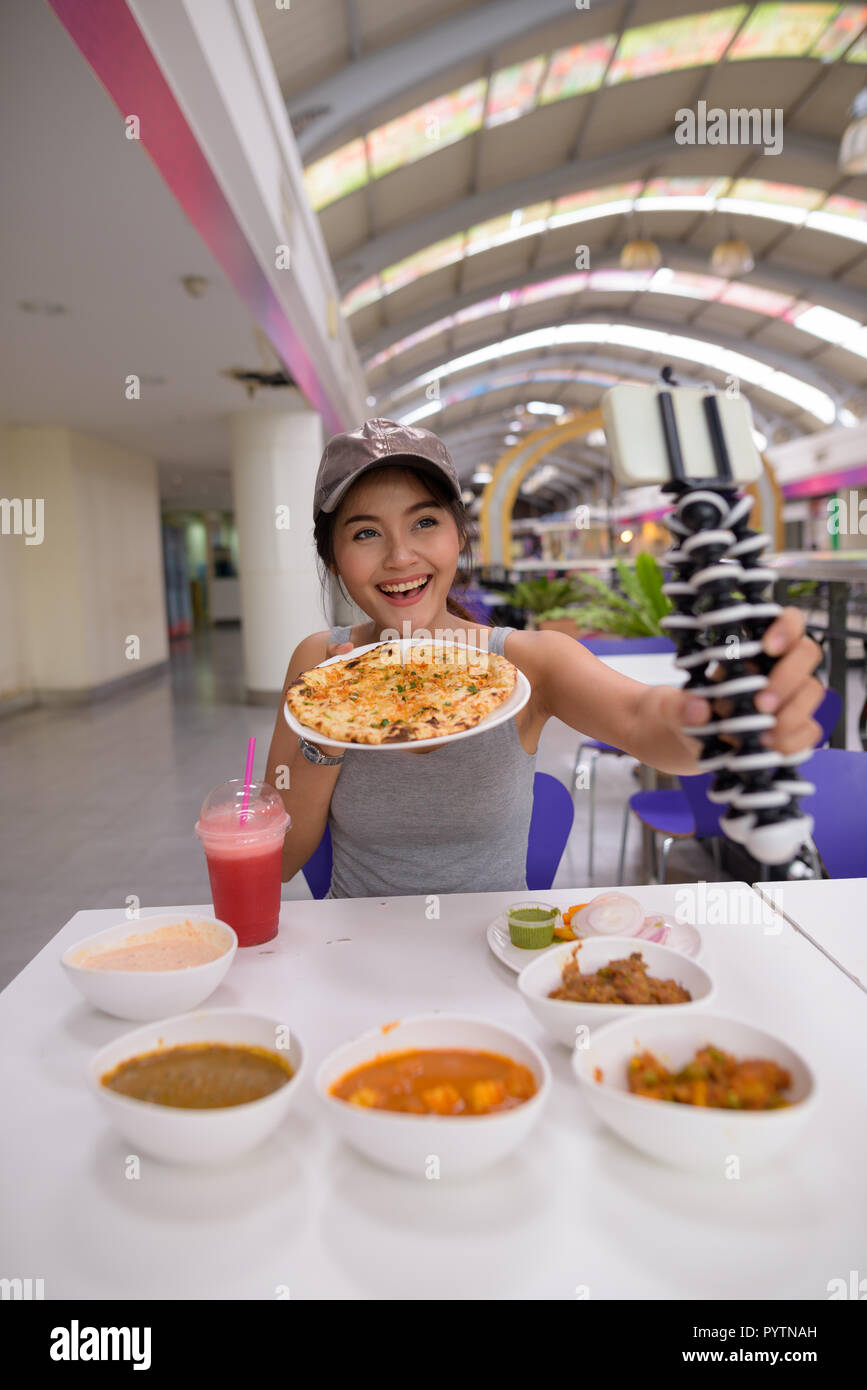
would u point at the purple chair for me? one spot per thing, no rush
(626, 646)
(609, 646)
(317, 870)
(685, 812)
(839, 810)
(550, 824)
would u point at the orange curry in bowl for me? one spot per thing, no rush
(437, 1081)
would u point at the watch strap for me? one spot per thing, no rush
(316, 756)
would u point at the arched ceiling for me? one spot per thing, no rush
(478, 168)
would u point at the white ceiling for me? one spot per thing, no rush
(87, 222)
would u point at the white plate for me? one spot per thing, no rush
(516, 701)
(682, 937)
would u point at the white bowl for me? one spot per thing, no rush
(562, 1017)
(410, 1143)
(150, 994)
(688, 1136)
(196, 1136)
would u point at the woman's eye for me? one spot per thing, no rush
(363, 533)
(427, 521)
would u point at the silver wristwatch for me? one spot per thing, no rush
(315, 755)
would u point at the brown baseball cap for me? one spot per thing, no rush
(374, 443)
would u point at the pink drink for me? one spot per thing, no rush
(245, 857)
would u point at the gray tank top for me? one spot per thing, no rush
(455, 820)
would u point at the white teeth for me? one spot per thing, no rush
(403, 588)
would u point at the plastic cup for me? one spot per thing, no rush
(245, 857)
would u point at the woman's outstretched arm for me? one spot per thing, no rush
(646, 720)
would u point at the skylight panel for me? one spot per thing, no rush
(362, 295)
(431, 258)
(572, 71)
(426, 129)
(846, 26)
(336, 175)
(671, 44)
(512, 91)
(781, 31)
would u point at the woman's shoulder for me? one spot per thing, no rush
(535, 652)
(313, 649)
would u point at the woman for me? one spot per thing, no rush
(390, 524)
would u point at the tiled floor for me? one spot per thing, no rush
(99, 803)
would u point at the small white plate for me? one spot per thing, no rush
(682, 937)
(516, 701)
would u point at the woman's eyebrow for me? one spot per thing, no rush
(416, 507)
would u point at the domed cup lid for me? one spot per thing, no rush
(226, 816)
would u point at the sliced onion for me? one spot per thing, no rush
(611, 914)
(655, 929)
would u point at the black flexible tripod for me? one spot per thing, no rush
(721, 612)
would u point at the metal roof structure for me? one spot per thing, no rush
(478, 168)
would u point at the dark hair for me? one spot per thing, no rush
(323, 530)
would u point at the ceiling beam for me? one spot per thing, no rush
(796, 283)
(350, 98)
(829, 381)
(767, 420)
(571, 177)
(353, 28)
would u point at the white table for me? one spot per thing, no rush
(573, 1207)
(832, 913)
(652, 668)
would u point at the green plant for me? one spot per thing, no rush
(633, 613)
(538, 595)
(805, 588)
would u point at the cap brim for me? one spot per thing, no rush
(426, 465)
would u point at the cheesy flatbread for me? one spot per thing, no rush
(373, 698)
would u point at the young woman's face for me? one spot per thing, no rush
(396, 549)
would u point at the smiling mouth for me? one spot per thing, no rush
(405, 590)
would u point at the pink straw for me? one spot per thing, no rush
(248, 777)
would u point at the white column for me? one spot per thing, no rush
(275, 455)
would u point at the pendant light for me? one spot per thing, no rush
(853, 147)
(732, 257)
(640, 254)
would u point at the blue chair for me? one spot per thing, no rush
(627, 646)
(550, 825)
(679, 814)
(839, 810)
(317, 870)
(609, 646)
